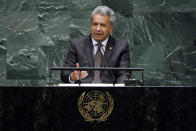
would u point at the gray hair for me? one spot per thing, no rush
(105, 11)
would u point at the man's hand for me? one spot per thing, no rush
(76, 75)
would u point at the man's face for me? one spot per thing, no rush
(100, 27)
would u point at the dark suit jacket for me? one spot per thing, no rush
(116, 55)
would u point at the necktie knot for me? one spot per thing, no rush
(99, 45)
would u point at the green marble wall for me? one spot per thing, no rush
(34, 35)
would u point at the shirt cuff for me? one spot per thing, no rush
(72, 82)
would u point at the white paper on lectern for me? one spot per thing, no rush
(92, 85)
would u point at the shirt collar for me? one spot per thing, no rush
(103, 42)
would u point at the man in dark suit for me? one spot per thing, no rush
(99, 49)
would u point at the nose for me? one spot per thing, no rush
(98, 28)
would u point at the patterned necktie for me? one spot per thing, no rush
(98, 59)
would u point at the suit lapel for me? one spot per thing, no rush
(108, 51)
(89, 51)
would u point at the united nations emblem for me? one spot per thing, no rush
(95, 105)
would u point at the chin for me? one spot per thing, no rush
(98, 39)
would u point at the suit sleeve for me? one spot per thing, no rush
(124, 61)
(70, 61)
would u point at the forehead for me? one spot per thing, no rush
(101, 18)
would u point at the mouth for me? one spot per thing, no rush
(98, 34)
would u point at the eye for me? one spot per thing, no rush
(95, 23)
(103, 25)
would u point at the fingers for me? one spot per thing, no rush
(76, 75)
(83, 74)
(76, 72)
(77, 65)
